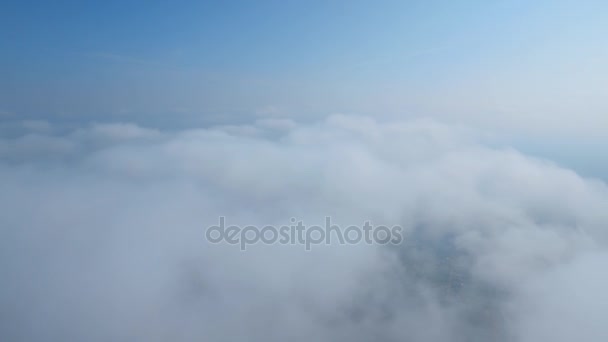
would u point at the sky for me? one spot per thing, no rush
(531, 71)
(127, 128)
(489, 63)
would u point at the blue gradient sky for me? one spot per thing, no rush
(535, 68)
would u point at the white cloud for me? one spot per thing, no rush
(103, 235)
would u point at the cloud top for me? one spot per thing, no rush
(103, 235)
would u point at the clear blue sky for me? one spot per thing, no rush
(489, 63)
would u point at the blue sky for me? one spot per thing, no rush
(534, 67)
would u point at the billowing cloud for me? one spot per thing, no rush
(103, 236)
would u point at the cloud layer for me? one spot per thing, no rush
(103, 235)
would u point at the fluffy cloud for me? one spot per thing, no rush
(103, 236)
